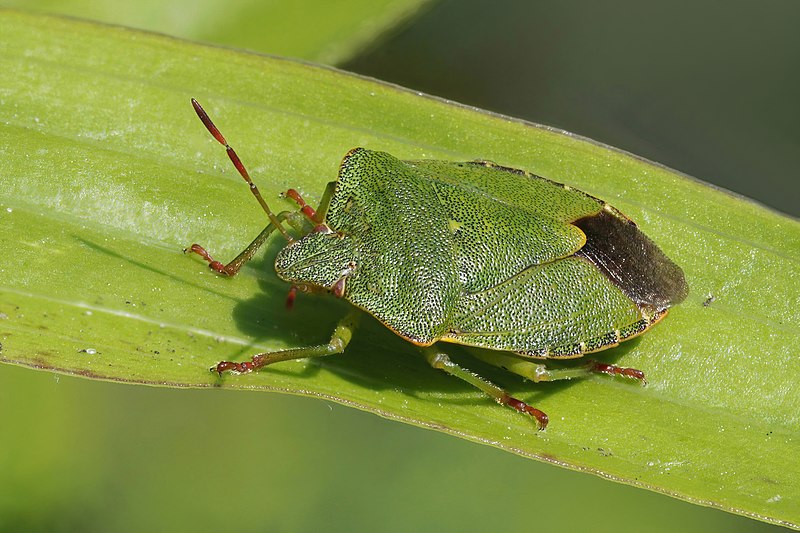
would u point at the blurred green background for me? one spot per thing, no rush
(707, 88)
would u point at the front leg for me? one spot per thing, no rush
(339, 340)
(232, 268)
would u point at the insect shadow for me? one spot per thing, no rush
(376, 358)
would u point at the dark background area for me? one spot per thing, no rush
(707, 88)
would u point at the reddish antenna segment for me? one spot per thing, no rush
(201, 113)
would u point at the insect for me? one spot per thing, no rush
(473, 253)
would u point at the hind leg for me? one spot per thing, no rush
(537, 372)
(440, 360)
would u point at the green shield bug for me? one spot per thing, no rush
(471, 253)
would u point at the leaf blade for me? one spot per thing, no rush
(111, 175)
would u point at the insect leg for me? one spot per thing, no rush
(339, 340)
(537, 372)
(316, 216)
(325, 203)
(596, 367)
(232, 268)
(306, 209)
(441, 361)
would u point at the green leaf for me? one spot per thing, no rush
(107, 174)
(316, 30)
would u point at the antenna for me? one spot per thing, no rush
(239, 166)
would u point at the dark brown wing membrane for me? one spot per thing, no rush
(631, 260)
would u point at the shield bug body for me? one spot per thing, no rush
(470, 253)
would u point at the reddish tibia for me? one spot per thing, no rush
(215, 265)
(522, 407)
(291, 297)
(614, 370)
(306, 209)
(230, 366)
